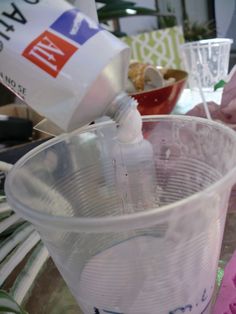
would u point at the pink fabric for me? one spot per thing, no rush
(226, 300)
(226, 113)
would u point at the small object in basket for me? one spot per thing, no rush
(156, 100)
(145, 77)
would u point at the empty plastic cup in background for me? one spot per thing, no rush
(207, 62)
(162, 259)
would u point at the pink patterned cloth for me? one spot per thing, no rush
(226, 300)
(226, 113)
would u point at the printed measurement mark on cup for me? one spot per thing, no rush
(97, 311)
(189, 307)
(182, 309)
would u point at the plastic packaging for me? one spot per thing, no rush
(159, 260)
(207, 62)
(64, 78)
(60, 62)
(88, 7)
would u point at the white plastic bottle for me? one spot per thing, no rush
(63, 65)
(72, 72)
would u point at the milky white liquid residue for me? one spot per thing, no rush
(135, 170)
(130, 128)
(132, 277)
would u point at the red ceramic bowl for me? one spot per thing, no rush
(162, 100)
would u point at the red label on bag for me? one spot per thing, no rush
(49, 52)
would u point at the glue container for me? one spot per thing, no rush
(62, 63)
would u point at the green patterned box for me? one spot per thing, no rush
(158, 47)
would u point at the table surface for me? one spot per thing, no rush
(50, 294)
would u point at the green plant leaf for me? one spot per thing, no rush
(112, 14)
(117, 5)
(8, 304)
(220, 84)
(196, 31)
(107, 2)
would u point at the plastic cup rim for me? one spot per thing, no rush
(206, 42)
(109, 223)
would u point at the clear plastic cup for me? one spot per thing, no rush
(160, 259)
(207, 62)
